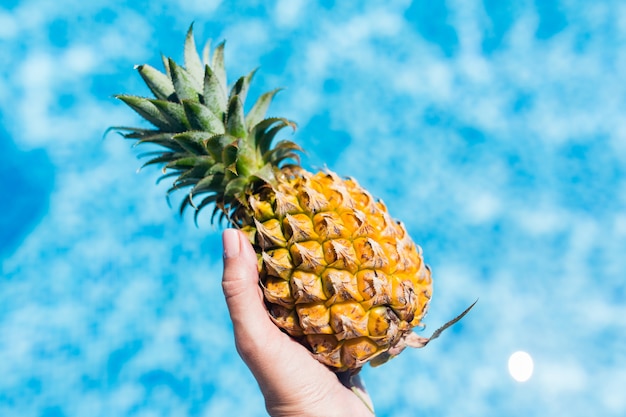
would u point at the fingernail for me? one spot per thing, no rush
(230, 241)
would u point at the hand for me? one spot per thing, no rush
(291, 380)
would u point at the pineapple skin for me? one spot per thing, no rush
(338, 273)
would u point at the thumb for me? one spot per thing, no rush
(242, 292)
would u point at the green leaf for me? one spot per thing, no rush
(217, 63)
(166, 65)
(190, 144)
(268, 137)
(282, 151)
(229, 157)
(184, 204)
(181, 184)
(183, 82)
(155, 137)
(216, 144)
(236, 187)
(189, 177)
(214, 93)
(235, 122)
(183, 163)
(146, 109)
(193, 64)
(198, 138)
(212, 199)
(242, 86)
(216, 169)
(206, 53)
(201, 118)
(163, 159)
(265, 131)
(134, 132)
(166, 176)
(161, 139)
(160, 84)
(257, 113)
(210, 183)
(266, 174)
(173, 113)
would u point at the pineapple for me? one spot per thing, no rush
(338, 273)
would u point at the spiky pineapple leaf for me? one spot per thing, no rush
(259, 109)
(282, 151)
(229, 157)
(221, 208)
(242, 86)
(210, 183)
(183, 83)
(134, 133)
(186, 163)
(186, 180)
(150, 136)
(173, 113)
(164, 140)
(166, 176)
(441, 329)
(266, 174)
(193, 171)
(186, 202)
(206, 52)
(146, 109)
(216, 144)
(189, 142)
(265, 131)
(266, 143)
(212, 199)
(163, 159)
(193, 64)
(159, 83)
(213, 93)
(236, 187)
(217, 63)
(216, 169)
(236, 124)
(151, 153)
(197, 140)
(201, 118)
(166, 66)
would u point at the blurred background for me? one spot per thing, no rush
(494, 129)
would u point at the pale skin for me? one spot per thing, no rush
(291, 380)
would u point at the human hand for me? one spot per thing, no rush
(291, 380)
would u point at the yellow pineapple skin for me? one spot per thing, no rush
(338, 273)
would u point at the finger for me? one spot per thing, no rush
(241, 289)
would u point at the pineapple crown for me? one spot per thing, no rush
(205, 139)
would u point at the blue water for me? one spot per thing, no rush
(494, 131)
